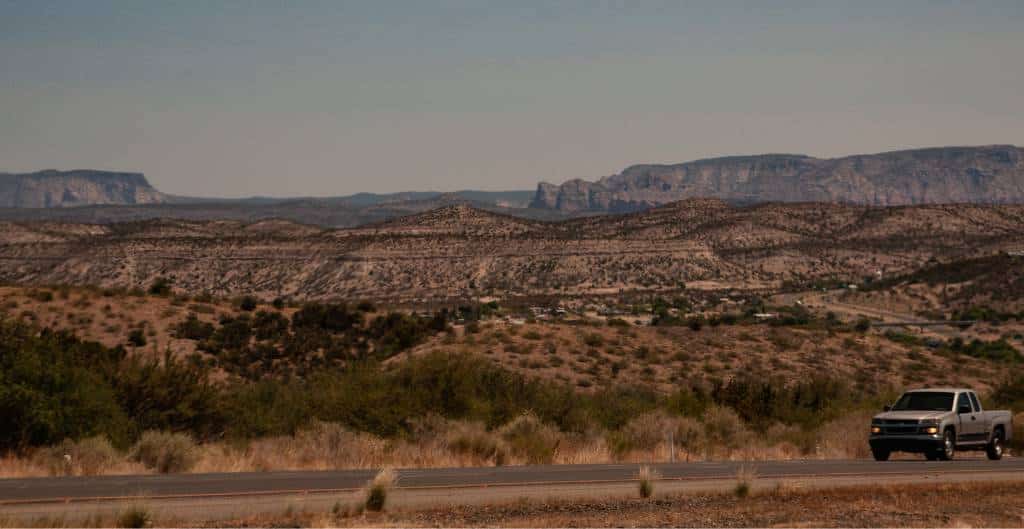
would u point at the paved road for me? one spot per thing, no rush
(75, 489)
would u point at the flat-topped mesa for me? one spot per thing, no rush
(988, 174)
(51, 188)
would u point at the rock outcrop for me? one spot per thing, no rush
(48, 189)
(989, 174)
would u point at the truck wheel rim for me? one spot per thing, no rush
(948, 446)
(997, 446)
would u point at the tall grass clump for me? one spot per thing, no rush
(378, 488)
(166, 452)
(724, 429)
(647, 477)
(745, 477)
(134, 518)
(471, 439)
(531, 440)
(86, 457)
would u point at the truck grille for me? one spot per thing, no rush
(900, 427)
(900, 430)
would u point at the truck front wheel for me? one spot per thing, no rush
(948, 448)
(994, 450)
(880, 454)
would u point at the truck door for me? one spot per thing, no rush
(967, 419)
(984, 422)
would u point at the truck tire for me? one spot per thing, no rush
(994, 450)
(880, 454)
(948, 448)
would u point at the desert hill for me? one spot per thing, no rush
(459, 251)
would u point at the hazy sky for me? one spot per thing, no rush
(223, 98)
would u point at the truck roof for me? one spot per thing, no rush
(950, 390)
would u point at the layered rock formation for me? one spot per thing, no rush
(990, 174)
(47, 189)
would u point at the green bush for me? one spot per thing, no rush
(165, 452)
(248, 303)
(527, 437)
(160, 287)
(192, 328)
(54, 387)
(137, 338)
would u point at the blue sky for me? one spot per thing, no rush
(328, 98)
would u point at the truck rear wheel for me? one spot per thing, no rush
(880, 454)
(994, 450)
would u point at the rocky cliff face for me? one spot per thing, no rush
(990, 174)
(46, 189)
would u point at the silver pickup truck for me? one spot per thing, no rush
(937, 422)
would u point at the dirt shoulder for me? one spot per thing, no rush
(940, 505)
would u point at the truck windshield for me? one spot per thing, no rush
(924, 401)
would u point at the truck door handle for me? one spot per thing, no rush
(973, 418)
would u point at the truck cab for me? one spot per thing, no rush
(938, 422)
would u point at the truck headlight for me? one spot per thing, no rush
(931, 430)
(876, 429)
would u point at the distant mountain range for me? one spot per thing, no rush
(989, 174)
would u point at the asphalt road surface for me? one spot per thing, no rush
(109, 488)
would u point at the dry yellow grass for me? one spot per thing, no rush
(330, 446)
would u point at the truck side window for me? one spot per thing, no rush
(963, 400)
(974, 401)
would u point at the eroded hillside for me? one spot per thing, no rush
(462, 252)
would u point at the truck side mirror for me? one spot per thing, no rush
(964, 409)
(886, 408)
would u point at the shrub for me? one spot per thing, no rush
(137, 338)
(192, 328)
(745, 477)
(689, 435)
(647, 477)
(377, 490)
(86, 457)
(723, 427)
(160, 287)
(248, 303)
(474, 440)
(54, 387)
(42, 296)
(527, 437)
(165, 452)
(646, 431)
(134, 518)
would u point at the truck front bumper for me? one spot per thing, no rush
(906, 443)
